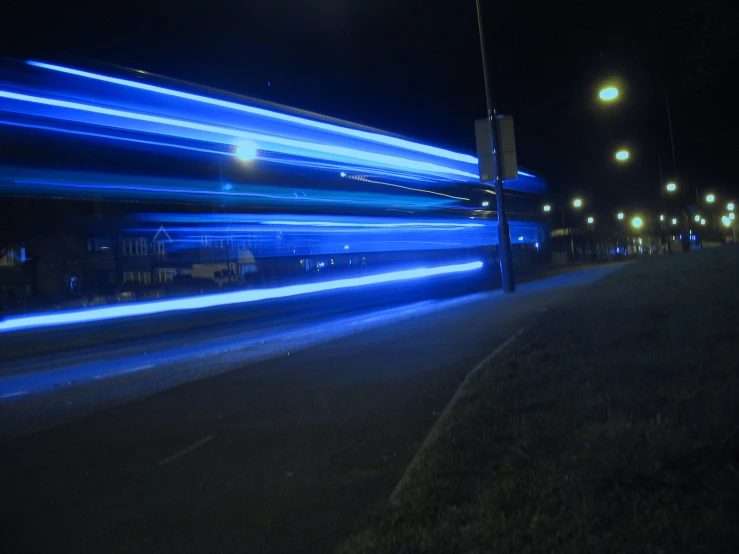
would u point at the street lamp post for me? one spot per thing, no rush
(504, 235)
(576, 203)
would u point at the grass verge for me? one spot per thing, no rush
(610, 425)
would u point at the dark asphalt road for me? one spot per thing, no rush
(287, 455)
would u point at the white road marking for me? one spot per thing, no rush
(190, 448)
(124, 372)
(16, 393)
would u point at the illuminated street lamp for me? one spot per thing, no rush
(577, 203)
(703, 221)
(697, 218)
(637, 222)
(547, 208)
(608, 94)
(246, 152)
(674, 221)
(622, 155)
(661, 217)
(730, 206)
(591, 220)
(485, 204)
(620, 215)
(710, 198)
(731, 216)
(671, 187)
(726, 221)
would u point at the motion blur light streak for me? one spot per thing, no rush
(16, 180)
(93, 99)
(115, 137)
(425, 191)
(215, 300)
(220, 134)
(267, 113)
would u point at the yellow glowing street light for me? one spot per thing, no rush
(637, 222)
(608, 94)
(710, 198)
(730, 206)
(547, 208)
(577, 203)
(671, 187)
(622, 155)
(620, 215)
(591, 220)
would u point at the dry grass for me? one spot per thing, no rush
(611, 425)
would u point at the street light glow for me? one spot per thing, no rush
(671, 187)
(730, 206)
(620, 215)
(661, 217)
(731, 215)
(246, 152)
(726, 221)
(608, 94)
(591, 220)
(622, 155)
(485, 204)
(697, 218)
(710, 198)
(703, 221)
(637, 222)
(577, 202)
(674, 221)
(547, 208)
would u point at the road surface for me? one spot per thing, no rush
(285, 455)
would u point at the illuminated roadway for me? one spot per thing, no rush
(283, 455)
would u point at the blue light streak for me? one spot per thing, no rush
(115, 137)
(276, 194)
(376, 137)
(262, 141)
(50, 320)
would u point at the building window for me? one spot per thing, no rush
(73, 284)
(159, 249)
(141, 277)
(98, 245)
(166, 275)
(135, 247)
(8, 258)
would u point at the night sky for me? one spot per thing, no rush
(413, 67)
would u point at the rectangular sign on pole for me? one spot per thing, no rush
(506, 149)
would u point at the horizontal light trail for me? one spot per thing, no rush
(100, 188)
(366, 135)
(50, 320)
(263, 141)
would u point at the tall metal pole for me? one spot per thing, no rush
(685, 218)
(666, 228)
(504, 235)
(672, 138)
